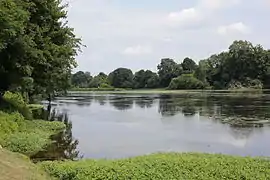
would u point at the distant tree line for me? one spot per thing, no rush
(244, 65)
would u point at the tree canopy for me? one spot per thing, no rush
(36, 44)
(121, 78)
(244, 65)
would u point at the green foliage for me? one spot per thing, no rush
(243, 65)
(37, 48)
(99, 89)
(188, 65)
(188, 166)
(146, 79)
(186, 81)
(81, 79)
(16, 102)
(9, 123)
(100, 81)
(26, 143)
(121, 78)
(167, 70)
(23, 136)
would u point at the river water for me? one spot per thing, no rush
(126, 125)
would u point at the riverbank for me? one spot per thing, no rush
(240, 92)
(14, 166)
(188, 166)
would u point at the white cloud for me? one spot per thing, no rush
(185, 17)
(203, 10)
(138, 50)
(235, 28)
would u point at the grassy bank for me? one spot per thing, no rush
(163, 166)
(15, 166)
(239, 92)
(25, 136)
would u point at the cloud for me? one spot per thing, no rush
(185, 17)
(235, 28)
(203, 10)
(137, 50)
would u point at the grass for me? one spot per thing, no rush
(25, 136)
(97, 89)
(188, 166)
(15, 166)
(245, 92)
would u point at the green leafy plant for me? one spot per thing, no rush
(187, 166)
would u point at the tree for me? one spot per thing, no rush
(101, 80)
(200, 71)
(81, 79)
(139, 79)
(186, 81)
(13, 18)
(167, 70)
(188, 65)
(153, 81)
(121, 78)
(36, 43)
(145, 79)
(243, 65)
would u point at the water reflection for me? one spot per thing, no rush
(144, 102)
(63, 145)
(114, 126)
(122, 103)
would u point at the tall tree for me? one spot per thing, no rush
(145, 79)
(167, 70)
(39, 45)
(101, 80)
(121, 78)
(188, 65)
(13, 42)
(81, 79)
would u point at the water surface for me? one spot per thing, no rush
(125, 125)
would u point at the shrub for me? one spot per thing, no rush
(104, 85)
(26, 143)
(9, 123)
(186, 81)
(24, 136)
(16, 103)
(247, 83)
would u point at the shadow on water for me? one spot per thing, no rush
(63, 145)
(236, 111)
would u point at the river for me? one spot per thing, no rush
(126, 125)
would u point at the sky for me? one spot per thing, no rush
(138, 34)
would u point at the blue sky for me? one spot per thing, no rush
(137, 34)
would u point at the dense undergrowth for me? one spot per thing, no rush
(18, 132)
(163, 166)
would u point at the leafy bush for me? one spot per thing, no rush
(104, 85)
(16, 103)
(247, 83)
(188, 166)
(26, 143)
(186, 81)
(9, 123)
(24, 136)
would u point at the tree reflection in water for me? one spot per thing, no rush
(63, 145)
